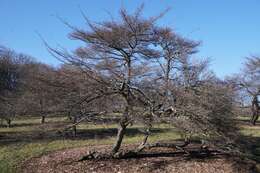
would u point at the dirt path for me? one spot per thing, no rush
(66, 161)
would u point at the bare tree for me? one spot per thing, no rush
(147, 72)
(248, 84)
(12, 82)
(112, 57)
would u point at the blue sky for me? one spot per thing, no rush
(228, 29)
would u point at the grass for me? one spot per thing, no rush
(12, 153)
(11, 156)
(250, 130)
(23, 140)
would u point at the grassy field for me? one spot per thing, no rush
(28, 138)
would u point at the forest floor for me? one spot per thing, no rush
(29, 146)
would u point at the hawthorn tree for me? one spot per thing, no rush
(116, 56)
(148, 75)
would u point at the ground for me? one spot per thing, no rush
(67, 161)
(29, 145)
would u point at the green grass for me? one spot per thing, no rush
(11, 155)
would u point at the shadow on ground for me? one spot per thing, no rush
(43, 133)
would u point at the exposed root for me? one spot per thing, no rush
(180, 151)
(95, 155)
(180, 147)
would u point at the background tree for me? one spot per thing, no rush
(248, 86)
(41, 97)
(12, 83)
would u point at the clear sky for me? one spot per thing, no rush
(228, 29)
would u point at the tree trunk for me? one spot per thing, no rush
(8, 123)
(143, 144)
(123, 123)
(43, 119)
(254, 118)
(75, 126)
(255, 110)
(119, 139)
(41, 111)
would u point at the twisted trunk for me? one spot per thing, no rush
(119, 138)
(126, 95)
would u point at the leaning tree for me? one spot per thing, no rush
(148, 74)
